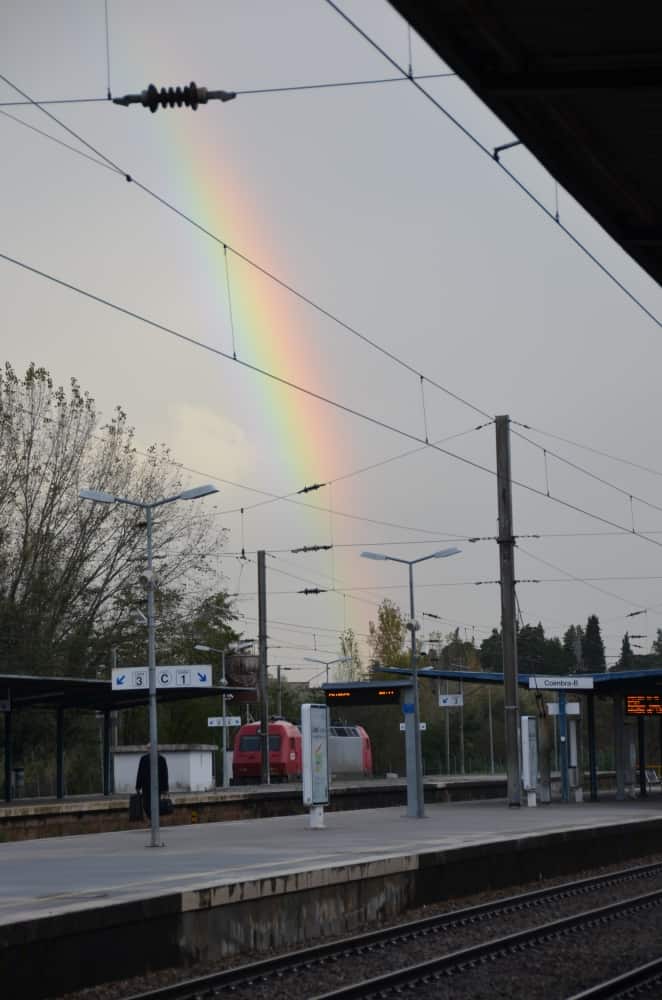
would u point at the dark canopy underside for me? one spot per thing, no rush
(579, 82)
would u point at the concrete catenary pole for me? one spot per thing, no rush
(262, 679)
(506, 542)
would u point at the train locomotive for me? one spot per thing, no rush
(350, 752)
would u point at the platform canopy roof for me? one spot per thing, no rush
(608, 683)
(580, 85)
(26, 691)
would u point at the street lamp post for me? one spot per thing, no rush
(415, 800)
(235, 648)
(97, 496)
(328, 663)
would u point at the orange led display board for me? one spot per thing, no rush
(643, 704)
(364, 696)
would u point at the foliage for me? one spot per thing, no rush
(626, 661)
(593, 650)
(69, 569)
(388, 635)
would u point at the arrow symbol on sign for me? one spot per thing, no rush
(121, 679)
(202, 677)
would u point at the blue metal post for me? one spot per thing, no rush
(592, 765)
(563, 740)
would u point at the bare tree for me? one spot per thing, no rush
(349, 647)
(69, 569)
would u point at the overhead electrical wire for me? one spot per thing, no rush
(266, 272)
(589, 448)
(498, 163)
(587, 472)
(249, 92)
(577, 579)
(375, 421)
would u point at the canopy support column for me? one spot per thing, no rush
(106, 751)
(641, 739)
(592, 764)
(59, 755)
(619, 747)
(8, 756)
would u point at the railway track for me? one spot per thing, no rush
(426, 976)
(263, 977)
(644, 980)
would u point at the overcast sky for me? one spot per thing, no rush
(372, 204)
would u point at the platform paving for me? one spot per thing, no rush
(67, 874)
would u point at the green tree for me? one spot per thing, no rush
(626, 661)
(593, 650)
(572, 649)
(387, 636)
(490, 653)
(69, 569)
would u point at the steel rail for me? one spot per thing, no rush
(426, 973)
(646, 975)
(243, 975)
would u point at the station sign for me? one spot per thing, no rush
(224, 720)
(137, 678)
(560, 683)
(643, 704)
(451, 700)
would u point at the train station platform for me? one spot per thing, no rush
(24, 819)
(80, 910)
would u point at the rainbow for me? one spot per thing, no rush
(266, 319)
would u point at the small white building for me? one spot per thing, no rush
(190, 766)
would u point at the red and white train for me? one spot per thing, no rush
(350, 752)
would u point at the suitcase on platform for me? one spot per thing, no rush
(135, 808)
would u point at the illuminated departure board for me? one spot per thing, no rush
(643, 704)
(364, 696)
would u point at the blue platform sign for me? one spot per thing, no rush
(408, 708)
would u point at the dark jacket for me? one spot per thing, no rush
(142, 778)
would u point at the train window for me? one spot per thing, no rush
(253, 743)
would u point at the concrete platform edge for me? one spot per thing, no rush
(58, 953)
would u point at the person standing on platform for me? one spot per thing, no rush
(143, 780)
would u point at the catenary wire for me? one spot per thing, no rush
(243, 93)
(513, 177)
(375, 421)
(65, 145)
(261, 269)
(592, 586)
(587, 472)
(589, 448)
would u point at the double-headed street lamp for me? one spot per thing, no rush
(99, 497)
(415, 800)
(236, 647)
(328, 663)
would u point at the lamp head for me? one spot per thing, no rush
(443, 553)
(97, 496)
(373, 555)
(197, 491)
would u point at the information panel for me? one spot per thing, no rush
(643, 704)
(315, 754)
(364, 696)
